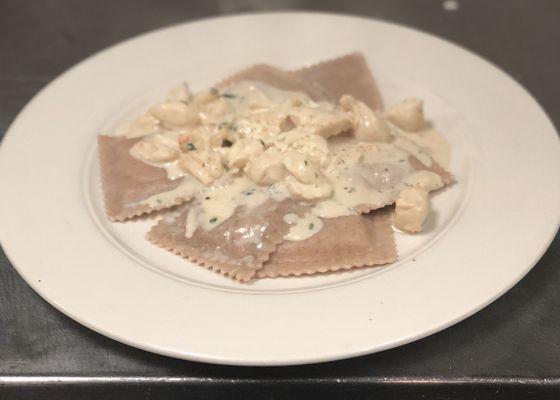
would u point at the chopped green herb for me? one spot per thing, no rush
(262, 142)
(214, 91)
(305, 162)
(226, 168)
(191, 147)
(226, 143)
(351, 190)
(229, 95)
(207, 198)
(212, 220)
(311, 226)
(158, 200)
(227, 125)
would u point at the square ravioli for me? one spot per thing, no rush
(273, 164)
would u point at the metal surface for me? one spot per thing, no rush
(510, 349)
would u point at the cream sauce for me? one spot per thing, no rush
(332, 209)
(302, 228)
(187, 189)
(401, 142)
(284, 145)
(160, 150)
(433, 143)
(221, 200)
(217, 203)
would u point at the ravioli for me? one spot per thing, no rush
(237, 248)
(274, 166)
(344, 243)
(128, 183)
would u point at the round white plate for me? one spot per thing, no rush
(486, 231)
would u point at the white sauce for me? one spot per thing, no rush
(433, 143)
(405, 144)
(168, 146)
(217, 203)
(331, 209)
(284, 145)
(187, 189)
(302, 228)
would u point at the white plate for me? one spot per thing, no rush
(485, 234)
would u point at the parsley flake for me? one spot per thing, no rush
(212, 220)
(191, 147)
(311, 226)
(229, 95)
(214, 91)
(227, 125)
